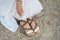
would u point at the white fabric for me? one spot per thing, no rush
(8, 12)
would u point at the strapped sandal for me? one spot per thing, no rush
(29, 31)
(36, 28)
(26, 27)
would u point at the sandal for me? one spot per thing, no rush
(32, 23)
(28, 29)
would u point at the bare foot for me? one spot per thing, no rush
(25, 25)
(29, 26)
(32, 23)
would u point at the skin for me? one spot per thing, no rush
(19, 7)
(20, 12)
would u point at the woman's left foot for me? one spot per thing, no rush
(33, 25)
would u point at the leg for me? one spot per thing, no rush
(19, 7)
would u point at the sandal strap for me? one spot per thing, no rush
(23, 21)
(29, 19)
(25, 24)
(30, 23)
(31, 26)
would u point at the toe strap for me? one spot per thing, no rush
(37, 28)
(29, 31)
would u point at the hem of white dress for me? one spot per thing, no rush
(13, 30)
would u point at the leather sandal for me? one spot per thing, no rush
(28, 28)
